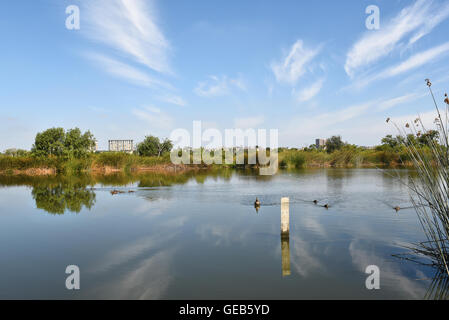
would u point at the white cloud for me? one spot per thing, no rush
(305, 130)
(154, 117)
(413, 62)
(173, 100)
(294, 64)
(310, 91)
(362, 124)
(239, 83)
(218, 86)
(435, 17)
(416, 60)
(250, 122)
(427, 119)
(129, 27)
(127, 72)
(387, 104)
(414, 21)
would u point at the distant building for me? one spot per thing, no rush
(320, 143)
(121, 146)
(94, 148)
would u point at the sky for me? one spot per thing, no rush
(310, 69)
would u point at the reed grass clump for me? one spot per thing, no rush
(27, 162)
(292, 159)
(430, 186)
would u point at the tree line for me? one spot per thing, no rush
(419, 139)
(73, 143)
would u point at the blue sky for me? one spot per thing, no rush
(309, 69)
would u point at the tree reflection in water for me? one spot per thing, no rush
(71, 193)
(57, 199)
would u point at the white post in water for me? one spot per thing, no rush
(285, 215)
(285, 236)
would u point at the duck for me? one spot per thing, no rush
(315, 201)
(257, 203)
(326, 206)
(116, 191)
(397, 208)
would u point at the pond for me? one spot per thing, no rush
(199, 236)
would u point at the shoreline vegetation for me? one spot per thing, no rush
(57, 151)
(113, 162)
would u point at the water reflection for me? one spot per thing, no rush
(57, 199)
(57, 194)
(60, 194)
(285, 249)
(178, 232)
(439, 288)
(422, 255)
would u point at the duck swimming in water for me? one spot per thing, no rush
(315, 201)
(326, 206)
(257, 203)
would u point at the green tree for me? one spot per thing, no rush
(78, 145)
(429, 137)
(152, 146)
(50, 142)
(411, 139)
(334, 143)
(57, 142)
(390, 141)
(16, 152)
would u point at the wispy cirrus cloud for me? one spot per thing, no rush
(411, 24)
(294, 65)
(129, 27)
(390, 103)
(126, 71)
(134, 48)
(309, 92)
(415, 61)
(173, 100)
(218, 86)
(154, 117)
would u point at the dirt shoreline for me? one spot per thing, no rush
(159, 168)
(177, 169)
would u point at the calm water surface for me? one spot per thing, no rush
(200, 237)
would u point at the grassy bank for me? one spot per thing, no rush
(348, 156)
(102, 162)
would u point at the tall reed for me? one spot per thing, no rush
(430, 187)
